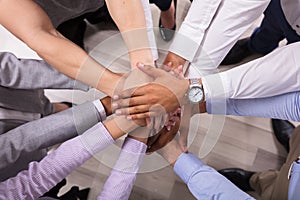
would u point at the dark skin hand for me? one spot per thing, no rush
(162, 138)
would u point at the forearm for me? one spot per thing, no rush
(121, 180)
(41, 177)
(39, 134)
(225, 29)
(192, 31)
(130, 19)
(264, 77)
(285, 106)
(32, 26)
(31, 74)
(205, 182)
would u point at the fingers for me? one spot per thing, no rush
(151, 141)
(159, 122)
(162, 141)
(132, 110)
(164, 138)
(142, 115)
(167, 67)
(150, 70)
(129, 93)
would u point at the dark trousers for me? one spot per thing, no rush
(163, 5)
(272, 30)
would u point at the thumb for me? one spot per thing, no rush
(149, 70)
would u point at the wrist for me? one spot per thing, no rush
(106, 102)
(141, 55)
(119, 126)
(175, 59)
(108, 82)
(195, 93)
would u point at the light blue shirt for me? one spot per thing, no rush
(205, 182)
(294, 186)
(285, 106)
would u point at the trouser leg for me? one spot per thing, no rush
(163, 5)
(266, 37)
(274, 184)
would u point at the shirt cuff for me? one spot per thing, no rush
(184, 47)
(131, 156)
(96, 138)
(216, 86)
(97, 103)
(186, 165)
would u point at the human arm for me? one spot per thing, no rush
(42, 176)
(250, 80)
(285, 106)
(122, 177)
(211, 28)
(130, 19)
(204, 182)
(32, 26)
(31, 74)
(50, 130)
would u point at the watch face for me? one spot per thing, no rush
(195, 95)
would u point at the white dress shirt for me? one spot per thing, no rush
(209, 31)
(211, 28)
(274, 74)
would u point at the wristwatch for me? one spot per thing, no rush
(195, 93)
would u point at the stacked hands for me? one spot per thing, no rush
(156, 103)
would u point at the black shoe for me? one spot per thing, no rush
(74, 194)
(239, 177)
(54, 191)
(238, 52)
(168, 34)
(283, 130)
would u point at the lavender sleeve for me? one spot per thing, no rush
(42, 176)
(285, 106)
(119, 184)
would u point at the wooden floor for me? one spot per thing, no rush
(244, 142)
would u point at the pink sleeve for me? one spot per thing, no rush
(42, 176)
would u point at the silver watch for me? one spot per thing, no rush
(195, 93)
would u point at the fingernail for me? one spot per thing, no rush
(114, 105)
(128, 117)
(115, 97)
(168, 128)
(118, 112)
(140, 65)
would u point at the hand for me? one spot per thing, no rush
(159, 141)
(163, 137)
(162, 96)
(172, 61)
